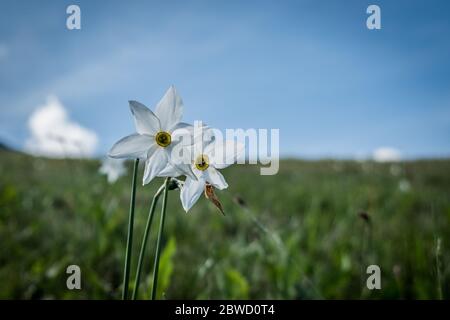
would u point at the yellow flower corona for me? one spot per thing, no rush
(202, 162)
(163, 139)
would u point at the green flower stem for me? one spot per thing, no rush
(126, 275)
(144, 241)
(158, 243)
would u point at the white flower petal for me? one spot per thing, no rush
(180, 158)
(203, 137)
(169, 110)
(154, 165)
(224, 153)
(170, 171)
(190, 192)
(113, 169)
(152, 150)
(188, 143)
(186, 169)
(202, 134)
(215, 178)
(181, 125)
(132, 146)
(144, 119)
(199, 174)
(182, 133)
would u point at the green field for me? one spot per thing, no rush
(308, 232)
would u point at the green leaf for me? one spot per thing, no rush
(238, 285)
(166, 266)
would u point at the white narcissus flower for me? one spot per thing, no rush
(157, 134)
(113, 169)
(207, 159)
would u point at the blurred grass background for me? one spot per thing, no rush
(308, 232)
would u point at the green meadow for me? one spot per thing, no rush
(308, 232)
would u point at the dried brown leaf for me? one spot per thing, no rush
(211, 196)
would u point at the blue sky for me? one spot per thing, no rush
(310, 68)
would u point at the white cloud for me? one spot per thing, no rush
(53, 134)
(386, 154)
